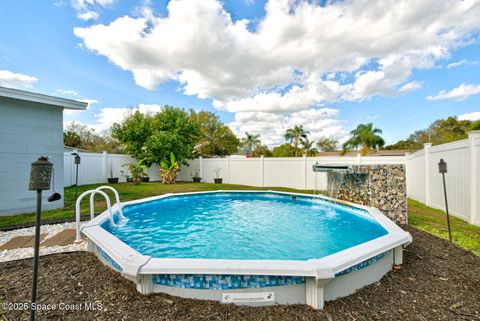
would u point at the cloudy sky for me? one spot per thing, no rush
(262, 66)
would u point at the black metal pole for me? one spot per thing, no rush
(76, 181)
(446, 207)
(36, 253)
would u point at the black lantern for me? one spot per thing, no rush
(442, 169)
(77, 158)
(442, 166)
(76, 162)
(40, 174)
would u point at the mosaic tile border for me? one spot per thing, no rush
(108, 258)
(361, 265)
(223, 282)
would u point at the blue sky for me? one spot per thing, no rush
(261, 66)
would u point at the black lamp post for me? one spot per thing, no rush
(77, 162)
(40, 178)
(442, 169)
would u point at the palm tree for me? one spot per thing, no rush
(309, 148)
(366, 137)
(251, 141)
(295, 135)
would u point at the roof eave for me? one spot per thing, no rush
(42, 99)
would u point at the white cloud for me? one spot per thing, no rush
(463, 62)
(66, 93)
(88, 101)
(474, 116)
(457, 63)
(411, 86)
(16, 80)
(72, 94)
(108, 116)
(272, 127)
(87, 15)
(88, 9)
(459, 93)
(296, 43)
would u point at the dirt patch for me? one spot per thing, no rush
(439, 281)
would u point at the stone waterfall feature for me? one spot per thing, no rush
(380, 186)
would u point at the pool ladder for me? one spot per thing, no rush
(92, 193)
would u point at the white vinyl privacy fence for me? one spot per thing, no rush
(424, 183)
(95, 168)
(293, 172)
(423, 180)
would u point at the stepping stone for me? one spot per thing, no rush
(65, 237)
(21, 242)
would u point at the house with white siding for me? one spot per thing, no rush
(31, 125)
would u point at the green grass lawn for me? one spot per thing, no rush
(434, 221)
(423, 217)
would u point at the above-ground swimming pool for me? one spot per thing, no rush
(247, 247)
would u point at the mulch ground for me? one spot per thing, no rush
(439, 281)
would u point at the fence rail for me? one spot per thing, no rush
(423, 179)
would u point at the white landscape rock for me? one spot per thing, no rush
(50, 230)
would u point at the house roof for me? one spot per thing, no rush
(41, 98)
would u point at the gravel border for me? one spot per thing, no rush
(50, 230)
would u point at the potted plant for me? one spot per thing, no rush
(137, 172)
(128, 178)
(169, 170)
(196, 175)
(111, 179)
(217, 179)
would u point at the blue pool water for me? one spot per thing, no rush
(246, 226)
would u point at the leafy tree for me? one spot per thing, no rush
(327, 144)
(251, 142)
(474, 126)
(439, 132)
(365, 137)
(71, 139)
(81, 136)
(285, 150)
(308, 147)
(262, 150)
(216, 139)
(295, 135)
(152, 138)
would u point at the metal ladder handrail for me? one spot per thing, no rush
(117, 198)
(77, 208)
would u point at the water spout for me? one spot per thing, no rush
(334, 181)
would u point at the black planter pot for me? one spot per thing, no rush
(197, 179)
(218, 180)
(112, 180)
(145, 179)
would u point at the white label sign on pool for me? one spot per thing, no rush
(248, 297)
